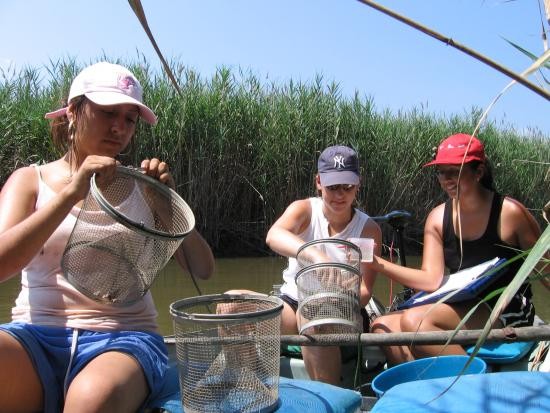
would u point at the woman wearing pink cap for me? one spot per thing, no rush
(63, 351)
(490, 225)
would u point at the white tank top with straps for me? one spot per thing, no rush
(318, 228)
(47, 298)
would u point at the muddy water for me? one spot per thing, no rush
(257, 274)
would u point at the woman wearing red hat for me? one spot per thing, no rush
(474, 225)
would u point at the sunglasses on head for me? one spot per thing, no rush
(344, 187)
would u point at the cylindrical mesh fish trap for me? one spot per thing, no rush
(329, 250)
(227, 349)
(124, 235)
(328, 299)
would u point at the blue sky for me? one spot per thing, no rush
(342, 40)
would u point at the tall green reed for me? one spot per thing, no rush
(242, 149)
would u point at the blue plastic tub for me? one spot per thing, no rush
(423, 369)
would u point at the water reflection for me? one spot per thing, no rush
(257, 274)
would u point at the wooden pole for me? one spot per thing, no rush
(450, 42)
(140, 14)
(506, 335)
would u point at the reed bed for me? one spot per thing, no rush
(241, 149)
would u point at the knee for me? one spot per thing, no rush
(412, 321)
(384, 324)
(84, 392)
(89, 395)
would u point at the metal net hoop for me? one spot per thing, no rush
(125, 233)
(329, 251)
(228, 352)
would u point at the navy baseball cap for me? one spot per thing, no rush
(338, 165)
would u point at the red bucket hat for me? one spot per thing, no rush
(451, 151)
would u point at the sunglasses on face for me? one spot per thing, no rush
(344, 187)
(447, 173)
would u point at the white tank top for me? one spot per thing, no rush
(47, 298)
(318, 228)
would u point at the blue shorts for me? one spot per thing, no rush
(50, 351)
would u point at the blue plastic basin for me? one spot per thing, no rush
(423, 369)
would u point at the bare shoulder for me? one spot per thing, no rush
(18, 197)
(371, 229)
(514, 212)
(516, 224)
(299, 209)
(296, 216)
(511, 207)
(300, 205)
(435, 217)
(22, 180)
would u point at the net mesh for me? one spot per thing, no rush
(227, 349)
(330, 250)
(124, 235)
(328, 285)
(328, 299)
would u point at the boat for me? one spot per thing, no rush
(519, 354)
(505, 351)
(516, 360)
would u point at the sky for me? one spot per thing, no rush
(344, 41)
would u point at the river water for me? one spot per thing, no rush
(257, 274)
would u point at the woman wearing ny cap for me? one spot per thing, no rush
(330, 215)
(490, 225)
(63, 351)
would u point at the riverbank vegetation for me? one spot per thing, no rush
(242, 148)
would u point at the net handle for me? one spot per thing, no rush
(131, 224)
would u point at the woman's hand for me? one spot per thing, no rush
(103, 166)
(158, 170)
(314, 255)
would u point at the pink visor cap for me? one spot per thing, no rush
(108, 84)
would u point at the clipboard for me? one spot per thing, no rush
(468, 282)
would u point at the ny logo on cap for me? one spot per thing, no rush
(339, 162)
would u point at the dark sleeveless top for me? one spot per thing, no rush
(488, 246)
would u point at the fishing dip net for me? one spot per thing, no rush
(227, 349)
(329, 250)
(329, 289)
(124, 235)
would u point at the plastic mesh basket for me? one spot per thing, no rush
(328, 299)
(227, 349)
(124, 235)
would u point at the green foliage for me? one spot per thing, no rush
(241, 149)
